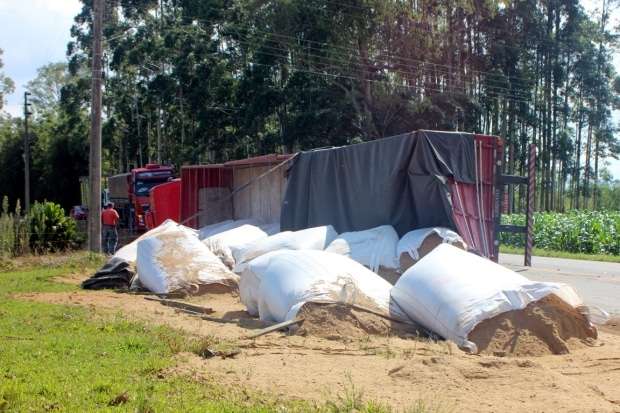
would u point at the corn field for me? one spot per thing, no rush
(589, 232)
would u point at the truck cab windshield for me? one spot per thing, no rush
(143, 187)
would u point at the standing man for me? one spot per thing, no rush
(109, 220)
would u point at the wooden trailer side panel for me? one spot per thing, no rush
(262, 199)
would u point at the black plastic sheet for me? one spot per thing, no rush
(401, 181)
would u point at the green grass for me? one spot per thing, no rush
(508, 249)
(71, 359)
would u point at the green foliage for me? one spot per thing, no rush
(51, 230)
(7, 86)
(46, 88)
(591, 232)
(45, 229)
(13, 230)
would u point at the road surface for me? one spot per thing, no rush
(597, 282)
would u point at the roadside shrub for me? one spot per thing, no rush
(590, 232)
(13, 230)
(7, 231)
(51, 230)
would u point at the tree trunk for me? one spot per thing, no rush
(586, 177)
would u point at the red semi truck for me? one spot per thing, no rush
(130, 192)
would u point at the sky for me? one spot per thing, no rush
(35, 32)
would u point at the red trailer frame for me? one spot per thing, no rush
(193, 179)
(475, 207)
(165, 203)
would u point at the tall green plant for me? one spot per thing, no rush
(21, 225)
(7, 230)
(50, 229)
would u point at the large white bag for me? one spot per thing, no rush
(176, 260)
(373, 248)
(450, 291)
(317, 238)
(224, 242)
(411, 242)
(129, 252)
(217, 228)
(276, 285)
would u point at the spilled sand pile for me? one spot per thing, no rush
(342, 322)
(547, 326)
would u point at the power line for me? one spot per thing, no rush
(491, 75)
(515, 93)
(295, 69)
(462, 88)
(438, 68)
(417, 29)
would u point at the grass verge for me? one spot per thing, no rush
(67, 359)
(506, 249)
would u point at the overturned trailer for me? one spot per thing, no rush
(410, 181)
(415, 180)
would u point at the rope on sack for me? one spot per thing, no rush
(242, 187)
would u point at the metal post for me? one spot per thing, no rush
(498, 156)
(531, 200)
(94, 210)
(27, 113)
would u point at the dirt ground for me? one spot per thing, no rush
(395, 371)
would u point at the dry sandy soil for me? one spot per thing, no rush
(391, 370)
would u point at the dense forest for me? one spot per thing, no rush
(200, 81)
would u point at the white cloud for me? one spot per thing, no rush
(32, 34)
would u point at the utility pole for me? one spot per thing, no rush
(94, 173)
(26, 154)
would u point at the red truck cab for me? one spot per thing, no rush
(143, 179)
(165, 203)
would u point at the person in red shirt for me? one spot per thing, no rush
(109, 220)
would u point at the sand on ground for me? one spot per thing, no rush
(395, 371)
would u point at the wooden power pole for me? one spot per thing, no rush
(26, 153)
(94, 173)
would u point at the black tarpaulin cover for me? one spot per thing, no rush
(401, 181)
(115, 274)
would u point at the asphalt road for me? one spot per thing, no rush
(598, 283)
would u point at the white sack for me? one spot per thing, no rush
(450, 291)
(411, 241)
(317, 238)
(223, 243)
(373, 247)
(176, 260)
(270, 229)
(276, 285)
(217, 228)
(129, 252)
